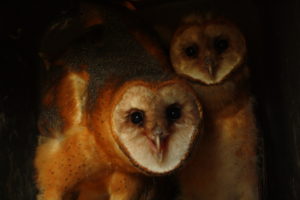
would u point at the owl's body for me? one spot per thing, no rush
(223, 165)
(210, 52)
(110, 116)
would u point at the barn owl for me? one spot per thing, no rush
(210, 52)
(111, 116)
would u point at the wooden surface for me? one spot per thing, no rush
(280, 98)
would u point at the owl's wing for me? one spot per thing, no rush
(63, 103)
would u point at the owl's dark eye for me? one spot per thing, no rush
(191, 51)
(221, 44)
(137, 117)
(173, 112)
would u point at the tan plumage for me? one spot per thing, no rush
(207, 50)
(210, 52)
(110, 116)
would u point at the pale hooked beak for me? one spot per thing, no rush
(210, 65)
(210, 70)
(157, 140)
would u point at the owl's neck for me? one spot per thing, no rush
(227, 96)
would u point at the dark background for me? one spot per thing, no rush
(272, 29)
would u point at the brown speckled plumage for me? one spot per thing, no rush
(87, 154)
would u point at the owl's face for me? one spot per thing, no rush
(207, 51)
(156, 125)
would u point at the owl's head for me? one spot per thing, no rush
(155, 124)
(207, 50)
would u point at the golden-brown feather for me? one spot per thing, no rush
(89, 151)
(210, 52)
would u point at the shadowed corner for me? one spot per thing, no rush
(18, 104)
(18, 130)
(21, 29)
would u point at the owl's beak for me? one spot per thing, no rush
(159, 153)
(210, 65)
(210, 70)
(157, 141)
(158, 133)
